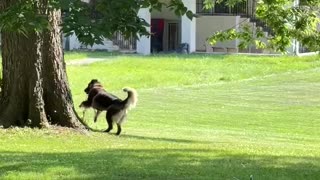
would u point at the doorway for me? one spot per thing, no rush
(173, 35)
(157, 28)
(165, 35)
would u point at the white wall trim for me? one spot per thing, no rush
(144, 42)
(188, 27)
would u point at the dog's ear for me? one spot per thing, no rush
(94, 81)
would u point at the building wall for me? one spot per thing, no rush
(165, 13)
(74, 44)
(207, 25)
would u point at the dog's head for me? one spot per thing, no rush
(92, 84)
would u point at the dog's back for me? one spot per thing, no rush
(98, 97)
(103, 100)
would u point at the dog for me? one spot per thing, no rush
(117, 109)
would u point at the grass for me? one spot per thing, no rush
(170, 70)
(80, 55)
(198, 117)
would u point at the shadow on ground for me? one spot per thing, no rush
(157, 164)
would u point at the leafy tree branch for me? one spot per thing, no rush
(286, 22)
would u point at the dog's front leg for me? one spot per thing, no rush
(85, 106)
(96, 116)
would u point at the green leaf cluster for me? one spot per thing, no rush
(245, 35)
(22, 17)
(286, 22)
(90, 22)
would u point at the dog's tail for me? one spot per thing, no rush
(132, 98)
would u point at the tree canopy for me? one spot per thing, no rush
(91, 21)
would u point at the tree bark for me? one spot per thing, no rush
(35, 90)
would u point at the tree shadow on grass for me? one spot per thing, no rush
(172, 140)
(156, 164)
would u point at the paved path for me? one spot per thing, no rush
(82, 62)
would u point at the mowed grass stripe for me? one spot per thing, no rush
(238, 101)
(162, 71)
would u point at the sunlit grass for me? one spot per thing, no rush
(179, 70)
(81, 55)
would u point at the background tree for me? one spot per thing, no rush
(287, 21)
(35, 90)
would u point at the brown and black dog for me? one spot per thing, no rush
(100, 100)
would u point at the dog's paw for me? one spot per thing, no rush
(108, 130)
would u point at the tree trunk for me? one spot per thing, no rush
(35, 89)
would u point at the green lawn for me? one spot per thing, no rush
(198, 117)
(80, 55)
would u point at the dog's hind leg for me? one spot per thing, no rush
(119, 129)
(96, 116)
(120, 121)
(109, 121)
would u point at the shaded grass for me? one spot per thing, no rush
(262, 121)
(174, 163)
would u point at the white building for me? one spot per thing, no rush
(169, 31)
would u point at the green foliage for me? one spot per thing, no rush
(23, 17)
(209, 4)
(245, 35)
(286, 22)
(290, 22)
(178, 7)
(91, 22)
